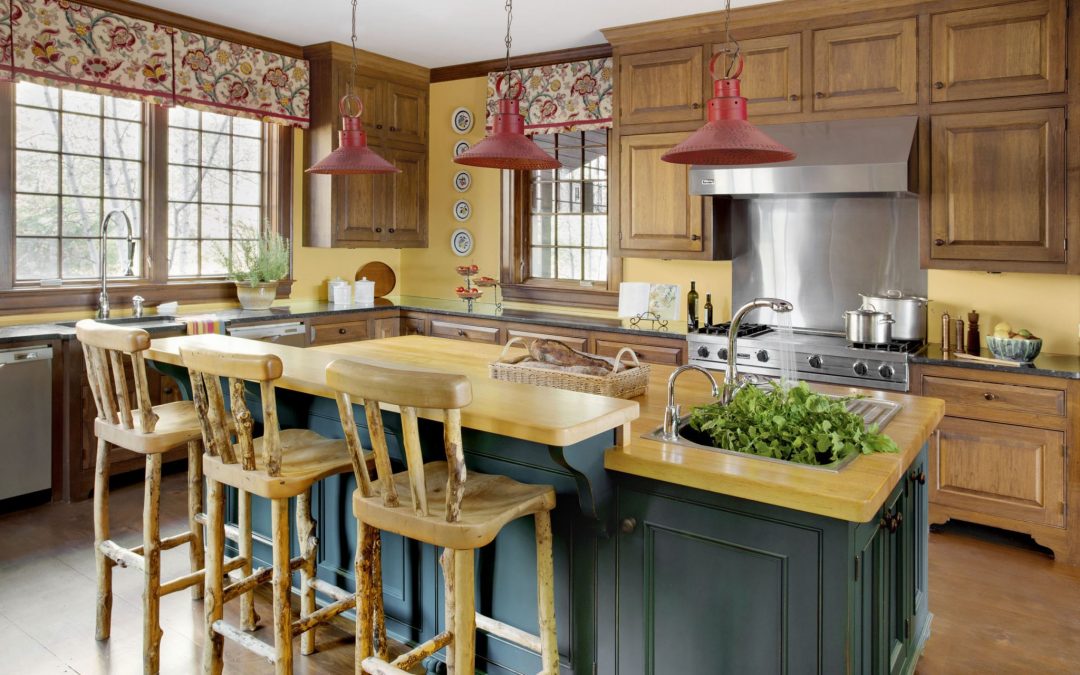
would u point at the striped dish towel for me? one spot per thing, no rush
(198, 325)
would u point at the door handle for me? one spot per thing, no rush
(628, 525)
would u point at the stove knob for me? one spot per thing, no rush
(814, 361)
(703, 352)
(722, 353)
(885, 370)
(860, 368)
(763, 356)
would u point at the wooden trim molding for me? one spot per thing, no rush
(63, 298)
(462, 71)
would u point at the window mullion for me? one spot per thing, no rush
(156, 190)
(7, 187)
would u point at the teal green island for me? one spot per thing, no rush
(668, 559)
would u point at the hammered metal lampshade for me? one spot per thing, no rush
(728, 138)
(353, 156)
(507, 146)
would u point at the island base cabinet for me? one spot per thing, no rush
(706, 583)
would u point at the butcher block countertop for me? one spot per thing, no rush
(557, 417)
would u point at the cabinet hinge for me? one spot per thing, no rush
(858, 566)
(907, 628)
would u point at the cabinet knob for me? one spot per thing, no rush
(628, 525)
(989, 396)
(819, 94)
(378, 229)
(341, 331)
(393, 128)
(695, 105)
(695, 237)
(939, 85)
(793, 97)
(167, 391)
(939, 242)
(918, 477)
(461, 332)
(391, 230)
(378, 126)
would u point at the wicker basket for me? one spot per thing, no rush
(621, 383)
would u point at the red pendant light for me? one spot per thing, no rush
(353, 156)
(507, 146)
(728, 138)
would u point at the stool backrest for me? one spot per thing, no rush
(206, 367)
(105, 348)
(410, 390)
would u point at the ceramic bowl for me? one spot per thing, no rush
(1014, 349)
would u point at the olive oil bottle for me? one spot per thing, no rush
(708, 309)
(691, 308)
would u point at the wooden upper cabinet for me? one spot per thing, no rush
(865, 66)
(407, 116)
(1004, 50)
(772, 74)
(405, 220)
(664, 86)
(370, 91)
(656, 213)
(998, 190)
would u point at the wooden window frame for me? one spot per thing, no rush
(514, 260)
(155, 285)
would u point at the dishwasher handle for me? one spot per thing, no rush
(25, 355)
(269, 331)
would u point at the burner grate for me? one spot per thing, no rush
(900, 346)
(745, 330)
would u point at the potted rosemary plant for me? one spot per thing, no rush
(256, 266)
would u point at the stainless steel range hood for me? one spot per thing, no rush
(835, 157)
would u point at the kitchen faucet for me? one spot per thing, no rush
(733, 382)
(671, 412)
(103, 298)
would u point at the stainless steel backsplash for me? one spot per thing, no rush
(821, 252)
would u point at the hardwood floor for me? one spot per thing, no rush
(1000, 604)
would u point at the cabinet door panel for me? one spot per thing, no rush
(1000, 469)
(406, 218)
(772, 74)
(372, 94)
(842, 78)
(1005, 50)
(656, 213)
(666, 86)
(360, 208)
(407, 111)
(998, 186)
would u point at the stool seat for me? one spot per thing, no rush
(306, 458)
(489, 503)
(178, 424)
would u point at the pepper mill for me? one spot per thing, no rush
(958, 336)
(973, 341)
(946, 331)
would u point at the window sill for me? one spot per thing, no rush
(547, 293)
(25, 300)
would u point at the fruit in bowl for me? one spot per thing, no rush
(468, 293)
(486, 282)
(1011, 345)
(465, 270)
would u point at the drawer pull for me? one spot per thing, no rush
(989, 396)
(342, 331)
(391, 230)
(393, 128)
(378, 229)
(461, 332)
(793, 97)
(918, 477)
(628, 525)
(378, 126)
(695, 105)
(939, 242)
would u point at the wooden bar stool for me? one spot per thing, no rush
(278, 465)
(150, 431)
(435, 503)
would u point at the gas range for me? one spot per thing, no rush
(817, 356)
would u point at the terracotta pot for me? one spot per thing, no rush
(259, 296)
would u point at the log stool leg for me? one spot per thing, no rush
(249, 620)
(214, 643)
(545, 591)
(151, 565)
(382, 648)
(305, 530)
(196, 552)
(447, 562)
(464, 613)
(365, 591)
(279, 517)
(101, 534)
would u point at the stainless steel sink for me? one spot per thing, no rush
(873, 411)
(154, 321)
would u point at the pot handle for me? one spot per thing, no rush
(887, 321)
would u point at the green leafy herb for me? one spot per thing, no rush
(796, 424)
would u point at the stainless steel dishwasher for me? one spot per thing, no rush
(283, 333)
(26, 424)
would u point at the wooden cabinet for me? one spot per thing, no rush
(387, 210)
(998, 190)
(666, 354)
(662, 86)
(865, 65)
(657, 218)
(413, 325)
(772, 74)
(464, 331)
(1003, 50)
(388, 327)
(333, 330)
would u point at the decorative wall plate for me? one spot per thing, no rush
(461, 241)
(462, 120)
(462, 181)
(462, 210)
(460, 148)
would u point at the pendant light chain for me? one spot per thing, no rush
(733, 55)
(508, 40)
(352, 72)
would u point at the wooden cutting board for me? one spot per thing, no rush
(381, 274)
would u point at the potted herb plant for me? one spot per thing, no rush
(257, 265)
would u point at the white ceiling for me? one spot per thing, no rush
(436, 33)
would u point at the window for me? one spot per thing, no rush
(558, 225)
(215, 189)
(77, 157)
(194, 185)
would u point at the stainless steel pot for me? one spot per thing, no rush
(908, 312)
(868, 326)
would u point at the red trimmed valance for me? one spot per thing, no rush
(56, 42)
(561, 97)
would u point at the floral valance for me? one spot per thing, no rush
(562, 97)
(57, 42)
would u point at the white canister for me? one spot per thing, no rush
(339, 292)
(364, 291)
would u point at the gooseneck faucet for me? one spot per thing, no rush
(103, 298)
(732, 380)
(671, 412)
